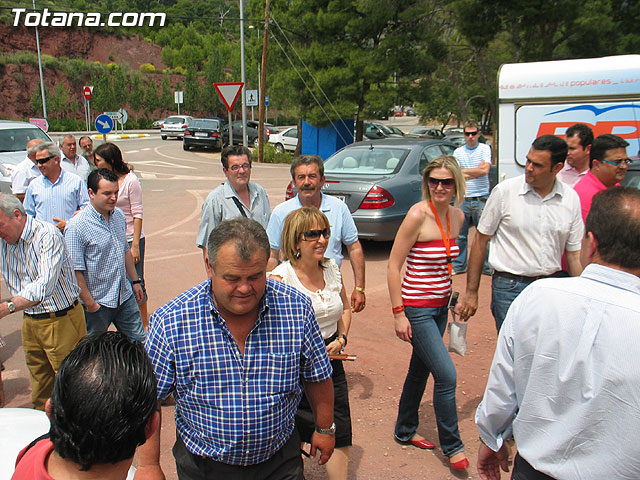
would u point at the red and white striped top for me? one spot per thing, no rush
(426, 280)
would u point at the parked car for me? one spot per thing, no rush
(158, 123)
(426, 132)
(14, 137)
(459, 140)
(202, 132)
(174, 126)
(632, 178)
(380, 180)
(286, 139)
(252, 132)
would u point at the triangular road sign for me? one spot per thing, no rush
(229, 92)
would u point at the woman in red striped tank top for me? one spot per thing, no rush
(426, 240)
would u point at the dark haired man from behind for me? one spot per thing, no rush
(564, 379)
(531, 221)
(102, 408)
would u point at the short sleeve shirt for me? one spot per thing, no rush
(343, 228)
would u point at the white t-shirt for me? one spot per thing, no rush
(327, 302)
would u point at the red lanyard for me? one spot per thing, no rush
(445, 238)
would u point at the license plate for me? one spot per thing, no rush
(340, 197)
(201, 134)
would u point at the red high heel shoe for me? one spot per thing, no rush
(460, 464)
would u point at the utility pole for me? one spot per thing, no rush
(44, 100)
(242, 79)
(263, 82)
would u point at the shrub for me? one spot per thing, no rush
(147, 68)
(270, 155)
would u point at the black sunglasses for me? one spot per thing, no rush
(311, 235)
(471, 134)
(445, 182)
(42, 161)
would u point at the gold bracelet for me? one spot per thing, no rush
(360, 289)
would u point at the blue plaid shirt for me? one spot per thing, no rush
(98, 247)
(233, 408)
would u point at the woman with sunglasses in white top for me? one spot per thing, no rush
(305, 237)
(426, 240)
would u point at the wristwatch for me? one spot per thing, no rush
(11, 306)
(327, 431)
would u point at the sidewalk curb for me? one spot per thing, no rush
(120, 137)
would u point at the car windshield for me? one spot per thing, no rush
(174, 120)
(209, 124)
(16, 139)
(369, 161)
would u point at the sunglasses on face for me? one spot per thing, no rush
(445, 182)
(311, 235)
(471, 134)
(244, 166)
(42, 161)
(618, 163)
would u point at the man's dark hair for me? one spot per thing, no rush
(583, 132)
(103, 397)
(99, 174)
(603, 143)
(307, 160)
(557, 146)
(248, 235)
(235, 150)
(614, 220)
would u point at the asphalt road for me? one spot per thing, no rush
(175, 183)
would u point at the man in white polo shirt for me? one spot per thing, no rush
(474, 159)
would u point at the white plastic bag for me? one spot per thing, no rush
(458, 337)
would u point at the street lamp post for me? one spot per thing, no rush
(252, 27)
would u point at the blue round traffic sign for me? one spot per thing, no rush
(104, 123)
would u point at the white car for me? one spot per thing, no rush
(14, 137)
(286, 139)
(174, 126)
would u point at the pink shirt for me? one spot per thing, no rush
(570, 175)
(130, 201)
(586, 189)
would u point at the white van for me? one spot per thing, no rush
(541, 98)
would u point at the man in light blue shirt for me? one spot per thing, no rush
(565, 379)
(103, 264)
(307, 172)
(237, 197)
(474, 159)
(56, 195)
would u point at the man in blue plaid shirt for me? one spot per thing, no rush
(236, 352)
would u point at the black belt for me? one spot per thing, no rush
(482, 197)
(523, 279)
(59, 313)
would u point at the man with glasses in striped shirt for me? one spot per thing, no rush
(37, 270)
(56, 195)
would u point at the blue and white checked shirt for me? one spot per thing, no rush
(39, 269)
(233, 408)
(98, 248)
(45, 200)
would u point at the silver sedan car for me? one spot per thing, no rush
(380, 180)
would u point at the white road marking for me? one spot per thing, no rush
(132, 151)
(194, 214)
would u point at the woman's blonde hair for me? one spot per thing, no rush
(299, 221)
(450, 163)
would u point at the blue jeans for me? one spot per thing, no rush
(503, 292)
(430, 356)
(472, 209)
(125, 317)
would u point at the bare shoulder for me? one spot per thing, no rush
(418, 211)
